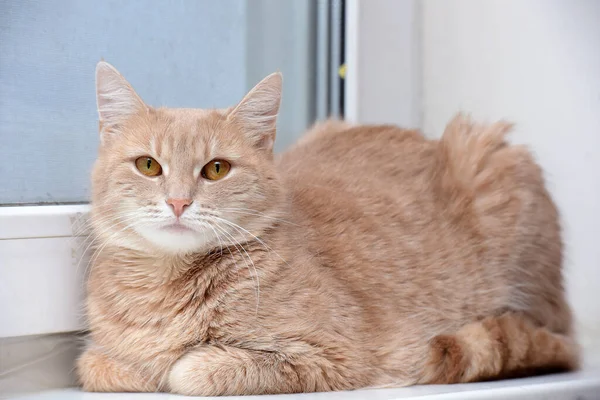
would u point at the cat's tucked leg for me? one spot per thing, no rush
(99, 373)
(498, 347)
(217, 371)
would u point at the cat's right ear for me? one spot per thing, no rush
(257, 112)
(116, 99)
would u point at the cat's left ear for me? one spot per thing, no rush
(257, 112)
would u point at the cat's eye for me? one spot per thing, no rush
(216, 169)
(148, 166)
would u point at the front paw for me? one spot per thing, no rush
(99, 373)
(203, 371)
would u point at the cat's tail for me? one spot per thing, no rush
(466, 147)
(497, 191)
(509, 345)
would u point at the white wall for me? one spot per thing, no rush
(537, 63)
(383, 80)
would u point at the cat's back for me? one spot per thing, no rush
(445, 223)
(352, 184)
(343, 158)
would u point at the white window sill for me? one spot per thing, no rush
(41, 269)
(576, 386)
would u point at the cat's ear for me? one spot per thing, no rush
(116, 99)
(257, 112)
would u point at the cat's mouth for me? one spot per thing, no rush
(177, 227)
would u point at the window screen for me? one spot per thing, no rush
(184, 53)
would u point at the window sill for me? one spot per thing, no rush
(42, 269)
(577, 385)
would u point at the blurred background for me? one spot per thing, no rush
(409, 62)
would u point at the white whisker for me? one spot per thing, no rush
(236, 226)
(257, 282)
(107, 241)
(97, 236)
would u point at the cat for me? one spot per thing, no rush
(364, 256)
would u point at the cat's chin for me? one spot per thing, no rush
(176, 239)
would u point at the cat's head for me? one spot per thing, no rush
(183, 180)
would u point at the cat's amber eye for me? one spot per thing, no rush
(148, 166)
(216, 169)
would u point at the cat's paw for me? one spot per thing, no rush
(99, 373)
(207, 371)
(190, 375)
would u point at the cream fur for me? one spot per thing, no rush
(364, 256)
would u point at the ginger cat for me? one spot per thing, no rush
(365, 256)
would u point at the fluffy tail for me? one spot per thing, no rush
(498, 347)
(467, 147)
(473, 163)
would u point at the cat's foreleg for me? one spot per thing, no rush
(216, 371)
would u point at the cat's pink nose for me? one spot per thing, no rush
(179, 205)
